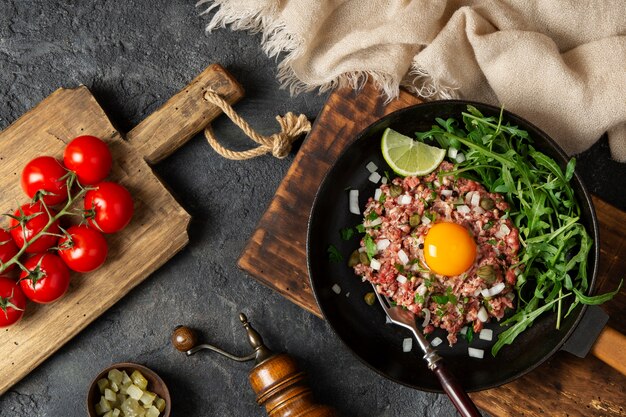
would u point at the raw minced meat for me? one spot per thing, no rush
(397, 224)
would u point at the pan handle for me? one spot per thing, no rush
(455, 391)
(610, 348)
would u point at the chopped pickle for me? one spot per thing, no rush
(148, 397)
(102, 384)
(115, 376)
(160, 404)
(355, 259)
(127, 396)
(363, 258)
(152, 412)
(134, 392)
(104, 405)
(139, 380)
(109, 395)
(395, 190)
(415, 220)
(126, 381)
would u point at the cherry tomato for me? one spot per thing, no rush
(8, 248)
(12, 302)
(90, 158)
(109, 207)
(47, 278)
(44, 176)
(84, 250)
(31, 219)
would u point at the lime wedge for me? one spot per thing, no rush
(409, 157)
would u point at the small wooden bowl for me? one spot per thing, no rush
(155, 384)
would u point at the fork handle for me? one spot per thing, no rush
(455, 391)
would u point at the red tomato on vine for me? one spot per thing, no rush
(46, 279)
(89, 157)
(8, 248)
(12, 302)
(83, 249)
(28, 221)
(109, 207)
(44, 178)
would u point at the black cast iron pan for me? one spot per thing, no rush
(362, 328)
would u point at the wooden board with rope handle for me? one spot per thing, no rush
(157, 231)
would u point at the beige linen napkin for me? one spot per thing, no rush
(560, 64)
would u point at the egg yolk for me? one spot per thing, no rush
(449, 249)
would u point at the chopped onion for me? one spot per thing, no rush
(486, 334)
(452, 153)
(463, 331)
(436, 183)
(375, 264)
(407, 344)
(405, 200)
(436, 341)
(485, 293)
(354, 202)
(463, 209)
(475, 353)
(403, 257)
(362, 249)
(460, 157)
(421, 290)
(468, 196)
(505, 229)
(347, 294)
(475, 200)
(377, 194)
(401, 279)
(426, 321)
(446, 193)
(478, 292)
(479, 210)
(482, 314)
(497, 289)
(426, 220)
(336, 289)
(384, 180)
(374, 177)
(371, 167)
(383, 244)
(374, 222)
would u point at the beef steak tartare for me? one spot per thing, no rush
(456, 279)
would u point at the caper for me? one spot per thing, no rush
(354, 259)
(370, 298)
(415, 220)
(365, 260)
(487, 203)
(487, 273)
(395, 190)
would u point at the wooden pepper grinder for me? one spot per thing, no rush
(278, 383)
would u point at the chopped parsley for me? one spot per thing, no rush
(346, 233)
(370, 246)
(469, 336)
(360, 228)
(333, 254)
(372, 216)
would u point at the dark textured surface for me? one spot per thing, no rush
(133, 56)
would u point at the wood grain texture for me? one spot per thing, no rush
(157, 231)
(183, 115)
(276, 256)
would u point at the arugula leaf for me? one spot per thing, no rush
(333, 254)
(554, 245)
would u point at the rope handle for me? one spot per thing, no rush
(278, 144)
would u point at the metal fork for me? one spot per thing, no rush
(449, 383)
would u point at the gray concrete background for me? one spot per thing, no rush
(133, 56)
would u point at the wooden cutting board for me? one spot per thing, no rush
(157, 231)
(276, 256)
